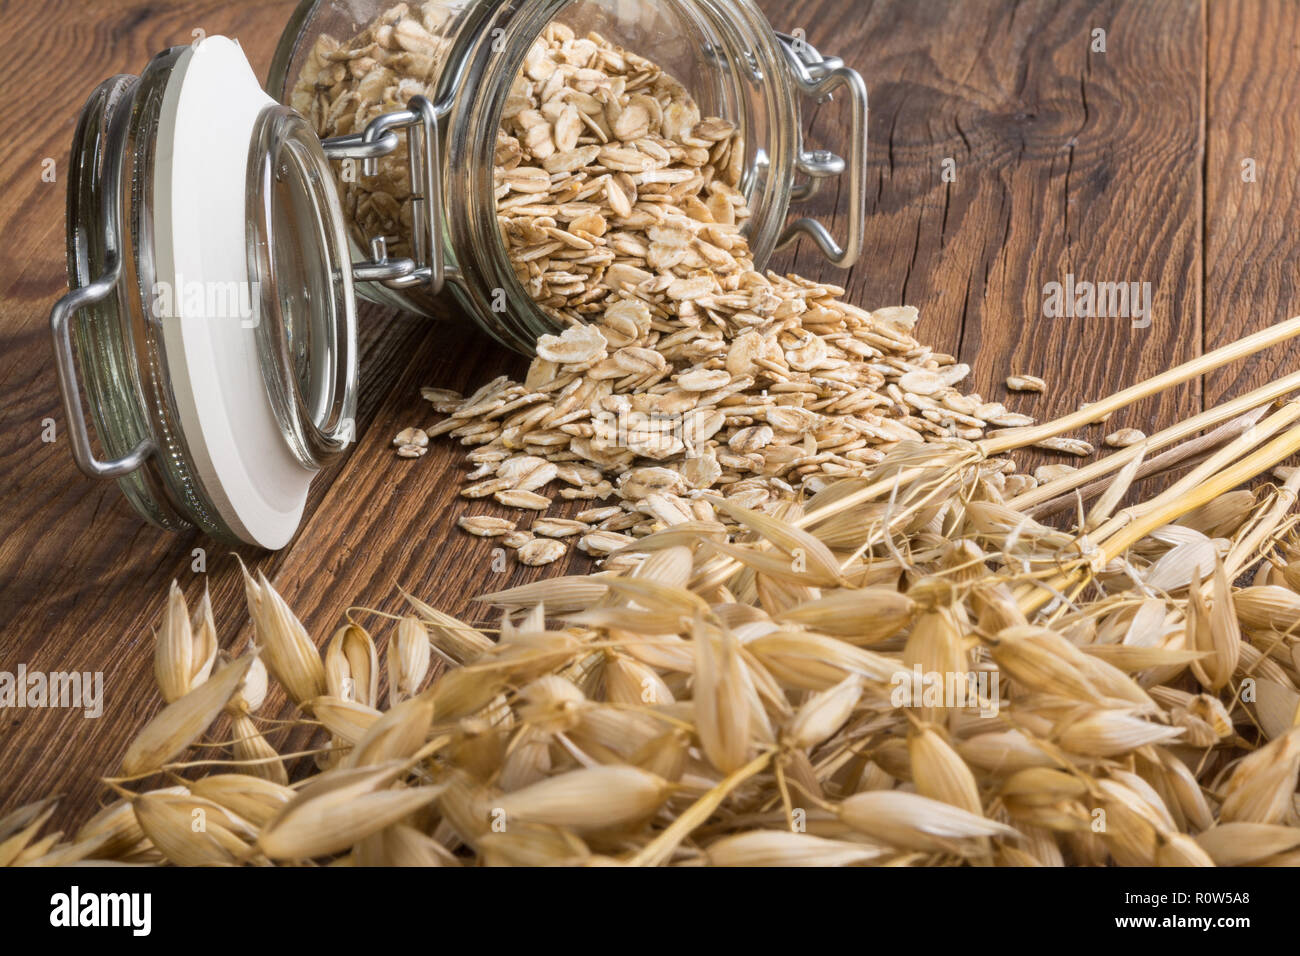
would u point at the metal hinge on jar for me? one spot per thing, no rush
(427, 266)
(818, 77)
(165, 183)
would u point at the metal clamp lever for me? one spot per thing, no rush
(63, 311)
(818, 77)
(89, 291)
(426, 267)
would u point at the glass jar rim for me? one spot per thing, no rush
(112, 332)
(293, 214)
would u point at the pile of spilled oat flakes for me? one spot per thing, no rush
(685, 374)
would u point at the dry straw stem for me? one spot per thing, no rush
(1248, 546)
(1062, 493)
(1249, 407)
(1184, 490)
(1165, 508)
(1241, 348)
(1201, 486)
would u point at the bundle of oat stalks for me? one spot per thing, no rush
(907, 668)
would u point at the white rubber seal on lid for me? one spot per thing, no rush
(209, 324)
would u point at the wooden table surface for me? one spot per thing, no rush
(1122, 165)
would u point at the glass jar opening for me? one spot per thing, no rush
(302, 287)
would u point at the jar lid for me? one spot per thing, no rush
(211, 297)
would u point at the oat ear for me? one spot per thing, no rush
(287, 650)
(909, 820)
(783, 848)
(254, 755)
(18, 829)
(408, 659)
(352, 666)
(205, 640)
(588, 799)
(326, 820)
(249, 796)
(174, 648)
(722, 710)
(180, 723)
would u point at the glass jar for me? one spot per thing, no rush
(213, 267)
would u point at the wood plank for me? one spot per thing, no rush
(1251, 254)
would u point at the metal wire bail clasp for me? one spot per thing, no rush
(88, 291)
(69, 305)
(424, 156)
(818, 77)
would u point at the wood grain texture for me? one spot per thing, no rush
(1252, 258)
(1065, 160)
